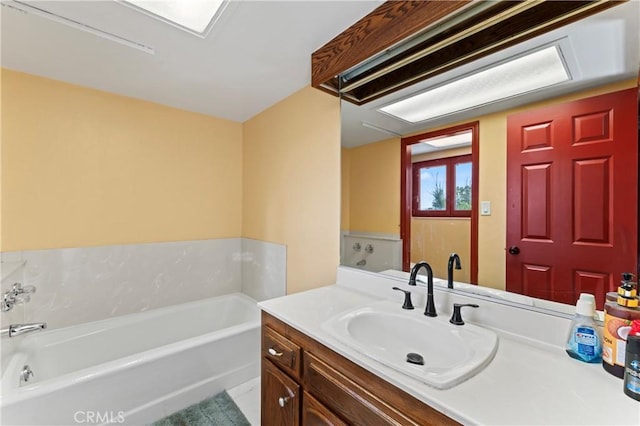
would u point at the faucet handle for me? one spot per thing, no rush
(407, 298)
(29, 289)
(456, 318)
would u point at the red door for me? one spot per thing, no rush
(572, 197)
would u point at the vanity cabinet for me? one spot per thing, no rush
(304, 382)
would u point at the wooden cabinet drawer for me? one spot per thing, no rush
(356, 404)
(281, 351)
(346, 398)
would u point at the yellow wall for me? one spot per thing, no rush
(81, 167)
(374, 196)
(291, 184)
(434, 239)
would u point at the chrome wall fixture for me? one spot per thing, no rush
(17, 294)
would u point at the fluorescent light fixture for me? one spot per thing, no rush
(536, 70)
(33, 10)
(194, 16)
(449, 140)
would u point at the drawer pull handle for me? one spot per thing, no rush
(283, 400)
(273, 352)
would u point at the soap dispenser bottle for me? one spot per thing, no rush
(585, 341)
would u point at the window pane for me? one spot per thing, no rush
(463, 186)
(433, 187)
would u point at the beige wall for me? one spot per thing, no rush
(81, 167)
(291, 184)
(374, 182)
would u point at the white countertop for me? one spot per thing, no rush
(530, 380)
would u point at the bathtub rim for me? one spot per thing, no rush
(12, 394)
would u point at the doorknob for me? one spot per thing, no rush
(514, 250)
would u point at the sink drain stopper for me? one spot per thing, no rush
(413, 358)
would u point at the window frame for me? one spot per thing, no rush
(450, 164)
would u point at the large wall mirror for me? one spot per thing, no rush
(594, 56)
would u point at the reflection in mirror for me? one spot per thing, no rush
(601, 56)
(441, 202)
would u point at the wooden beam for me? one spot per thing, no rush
(388, 24)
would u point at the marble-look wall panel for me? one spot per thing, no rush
(78, 285)
(264, 269)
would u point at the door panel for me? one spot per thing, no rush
(536, 202)
(592, 194)
(572, 200)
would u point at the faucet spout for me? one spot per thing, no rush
(18, 329)
(430, 309)
(452, 258)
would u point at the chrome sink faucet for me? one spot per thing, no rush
(430, 309)
(454, 256)
(18, 329)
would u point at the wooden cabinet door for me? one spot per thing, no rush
(280, 404)
(316, 414)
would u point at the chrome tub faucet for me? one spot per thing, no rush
(18, 329)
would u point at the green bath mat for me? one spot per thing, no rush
(219, 410)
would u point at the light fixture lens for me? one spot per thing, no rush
(524, 74)
(461, 139)
(194, 15)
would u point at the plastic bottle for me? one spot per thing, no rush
(617, 323)
(632, 362)
(584, 342)
(592, 299)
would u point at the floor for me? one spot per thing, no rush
(247, 398)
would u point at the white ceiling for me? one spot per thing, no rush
(597, 50)
(257, 53)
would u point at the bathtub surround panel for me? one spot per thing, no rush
(264, 269)
(371, 251)
(79, 285)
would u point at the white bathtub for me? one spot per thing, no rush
(133, 369)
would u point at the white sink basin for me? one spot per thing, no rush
(387, 333)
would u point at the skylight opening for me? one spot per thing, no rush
(534, 71)
(194, 16)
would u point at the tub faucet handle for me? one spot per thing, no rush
(17, 294)
(25, 374)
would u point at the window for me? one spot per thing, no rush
(442, 187)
